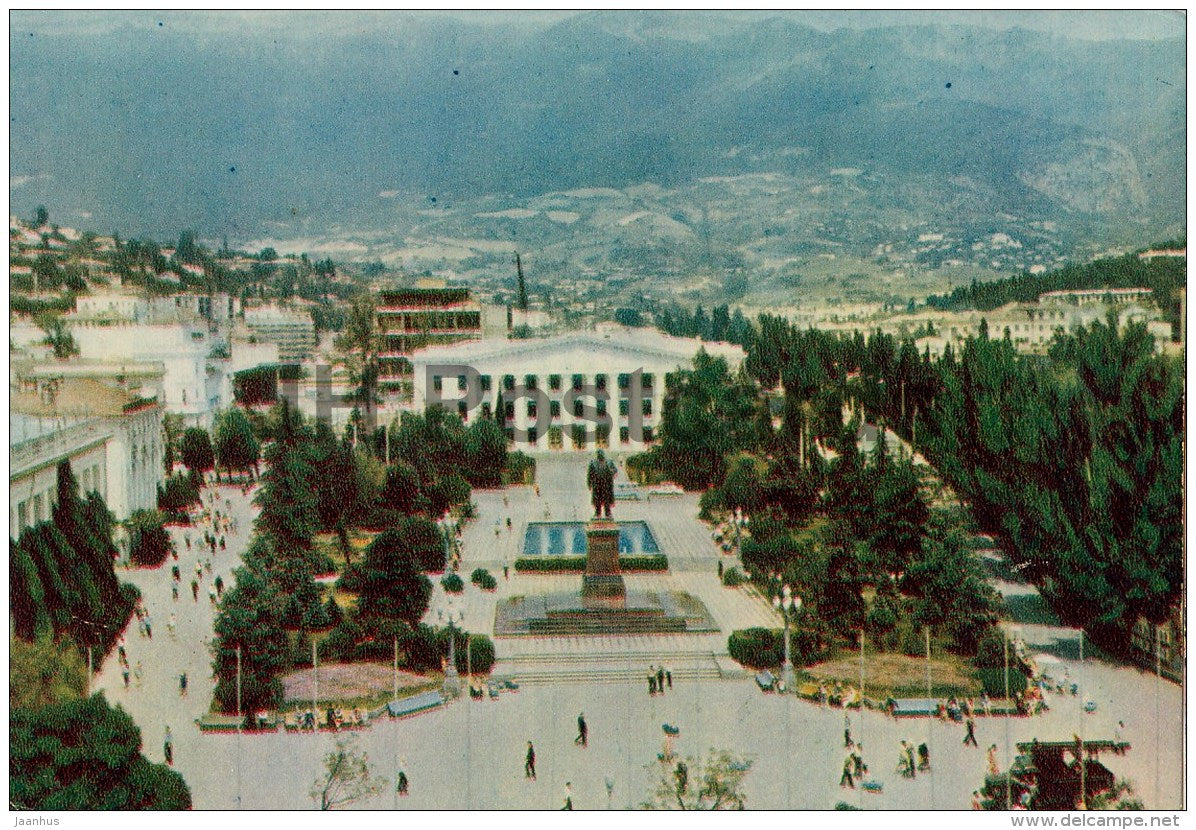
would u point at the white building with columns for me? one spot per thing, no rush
(578, 391)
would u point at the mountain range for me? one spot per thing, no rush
(150, 129)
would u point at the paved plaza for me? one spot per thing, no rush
(470, 753)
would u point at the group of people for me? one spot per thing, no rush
(658, 678)
(529, 758)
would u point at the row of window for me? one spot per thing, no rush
(554, 408)
(580, 437)
(554, 382)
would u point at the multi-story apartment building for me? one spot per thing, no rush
(413, 318)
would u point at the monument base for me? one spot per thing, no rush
(602, 584)
(567, 614)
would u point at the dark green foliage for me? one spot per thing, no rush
(1162, 274)
(452, 583)
(402, 491)
(250, 617)
(474, 651)
(236, 447)
(949, 591)
(61, 573)
(389, 582)
(757, 648)
(485, 453)
(420, 537)
(483, 579)
(733, 577)
(571, 564)
(707, 415)
(521, 468)
(1076, 466)
(993, 681)
(149, 543)
(177, 494)
(289, 506)
(196, 451)
(86, 755)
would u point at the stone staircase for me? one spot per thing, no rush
(608, 667)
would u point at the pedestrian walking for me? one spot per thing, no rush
(174, 572)
(846, 780)
(149, 627)
(212, 596)
(976, 803)
(568, 805)
(652, 683)
(848, 743)
(681, 776)
(993, 767)
(195, 590)
(121, 656)
(970, 736)
(125, 674)
(583, 732)
(168, 747)
(219, 586)
(174, 592)
(137, 674)
(183, 684)
(187, 540)
(923, 758)
(529, 762)
(857, 760)
(171, 622)
(668, 676)
(506, 572)
(720, 570)
(207, 563)
(401, 784)
(660, 679)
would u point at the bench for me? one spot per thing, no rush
(415, 704)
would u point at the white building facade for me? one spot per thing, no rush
(573, 392)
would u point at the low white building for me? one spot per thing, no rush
(112, 439)
(573, 391)
(196, 381)
(293, 331)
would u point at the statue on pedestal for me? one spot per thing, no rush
(600, 478)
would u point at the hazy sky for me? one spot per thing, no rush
(1090, 25)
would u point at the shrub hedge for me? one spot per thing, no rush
(757, 648)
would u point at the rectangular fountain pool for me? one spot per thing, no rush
(569, 539)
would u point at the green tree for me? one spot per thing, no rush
(388, 580)
(149, 543)
(289, 507)
(250, 618)
(360, 343)
(85, 755)
(196, 453)
(58, 337)
(41, 217)
(236, 447)
(485, 453)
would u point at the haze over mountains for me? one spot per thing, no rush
(153, 129)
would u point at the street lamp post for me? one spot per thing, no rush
(452, 682)
(787, 603)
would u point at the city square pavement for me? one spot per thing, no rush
(470, 753)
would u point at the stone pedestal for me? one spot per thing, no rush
(602, 583)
